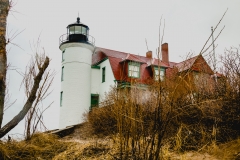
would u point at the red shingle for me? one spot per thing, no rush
(185, 65)
(157, 62)
(118, 61)
(131, 57)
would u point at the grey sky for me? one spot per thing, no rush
(118, 25)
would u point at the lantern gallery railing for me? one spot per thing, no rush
(76, 38)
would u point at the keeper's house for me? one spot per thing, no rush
(88, 72)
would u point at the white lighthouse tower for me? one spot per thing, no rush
(77, 48)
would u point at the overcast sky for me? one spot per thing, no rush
(118, 25)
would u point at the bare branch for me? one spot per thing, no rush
(213, 32)
(32, 96)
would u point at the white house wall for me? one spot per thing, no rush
(76, 85)
(95, 80)
(105, 87)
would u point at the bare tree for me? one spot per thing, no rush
(42, 64)
(4, 8)
(35, 114)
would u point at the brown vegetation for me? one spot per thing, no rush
(48, 146)
(185, 112)
(43, 146)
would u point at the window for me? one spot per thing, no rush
(61, 98)
(71, 30)
(62, 73)
(63, 55)
(133, 69)
(94, 100)
(158, 71)
(84, 30)
(78, 29)
(103, 74)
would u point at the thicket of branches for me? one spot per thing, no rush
(183, 112)
(187, 111)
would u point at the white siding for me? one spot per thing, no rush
(95, 81)
(105, 87)
(76, 85)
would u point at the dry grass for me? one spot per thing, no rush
(229, 150)
(84, 151)
(46, 146)
(41, 146)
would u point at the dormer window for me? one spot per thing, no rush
(159, 72)
(134, 69)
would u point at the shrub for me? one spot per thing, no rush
(102, 120)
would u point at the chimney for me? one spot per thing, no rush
(149, 54)
(165, 57)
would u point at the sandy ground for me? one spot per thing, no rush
(82, 136)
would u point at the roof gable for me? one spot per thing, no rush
(201, 65)
(185, 65)
(197, 63)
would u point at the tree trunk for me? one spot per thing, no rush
(4, 7)
(11, 124)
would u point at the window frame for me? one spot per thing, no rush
(62, 75)
(92, 100)
(159, 70)
(103, 74)
(63, 57)
(130, 63)
(61, 98)
(70, 32)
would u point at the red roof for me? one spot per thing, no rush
(131, 57)
(119, 66)
(185, 65)
(157, 62)
(172, 64)
(117, 61)
(116, 67)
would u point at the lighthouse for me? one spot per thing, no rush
(77, 47)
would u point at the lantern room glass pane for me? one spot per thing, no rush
(71, 30)
(78, 29)
(84, 30)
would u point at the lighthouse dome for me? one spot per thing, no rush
(77, 32)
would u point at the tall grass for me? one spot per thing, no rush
(41, 146)
(187, 111)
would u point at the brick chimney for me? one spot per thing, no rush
(165, 57)
(149, 54)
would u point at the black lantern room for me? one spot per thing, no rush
(77, 32)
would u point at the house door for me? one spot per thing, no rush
(94, 100)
